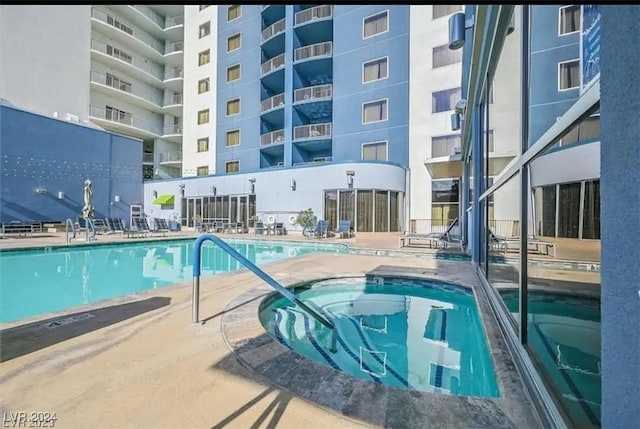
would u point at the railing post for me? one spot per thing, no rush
(195, 300)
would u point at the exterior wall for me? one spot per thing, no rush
(620, 67)
(273, 190)
(350, 52)
(247, 88)
(194, 102)
(547, 50)
(425, 34)
(569, 165)
(60, 157)
(45, 63)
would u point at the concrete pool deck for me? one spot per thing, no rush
(139, 362)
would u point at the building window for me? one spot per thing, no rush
(204, 6)
(232, 166)
(203, 144)
(116, 115)
(376, 24)
(233, 42)
(233, 73)
(445, 198)
(568, 75)
(374, 151)
(569, 19)
(203, 171)
(587, 130)
(443, 56)
(233, 107)
(203, 116)
(203, 85)
(444, 101)
(377, 211)
(375, 70)
(375, 111)
(233, 138)
(441, 10)
(120, 54)
(203, 57)
(234, 11)
(116, 82)
(205, 29)
(445, 145)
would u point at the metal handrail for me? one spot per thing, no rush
(68, 223)
(195, 299)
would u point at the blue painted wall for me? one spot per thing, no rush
(42, 152)
(247, 88)
(620, 175)
(349, 52)
(547, 50)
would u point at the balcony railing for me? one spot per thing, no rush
(318, 12)
(147, 158)
(273, 30)
(272, 137)
(173, 156)
(324, 49)
(174, 20)
(272, 64)
(127, 28)
(318, 92)
(313, 131)
(174, 73)
(315, 161)
(272, 102)
(123, 118)
(173, 100)
(172, 130)
(173, 47)
(446, 147)
(146, 66)
(138, 90)
(157, 19)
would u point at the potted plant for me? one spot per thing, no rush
(307, 220)
(197, 223)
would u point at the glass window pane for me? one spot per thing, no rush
(591, 217)
(445, 191)
(569, 210)
(443, 56)
(365, 211)
(394, 215)
(331, 208)
(382, 211)
(347, 206)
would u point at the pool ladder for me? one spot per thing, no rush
(89, 225)
(195, 298)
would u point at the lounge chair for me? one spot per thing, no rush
(503, 243)
(432, 237)
(156, 227)
(101, 226)
(344, 228)
(320, 230)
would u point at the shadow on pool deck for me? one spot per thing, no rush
(24, 339)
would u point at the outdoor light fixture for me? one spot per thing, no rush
(116, 198)
(181, 186)
(41, 191)
(455, 121)
(214, 191)
(155, 194)
(461, 106)
(293, 184)
(350, 174)
(457, 27)
(252, 181)
(60, 195)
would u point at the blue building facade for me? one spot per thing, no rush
(45, 162)
(313, 86)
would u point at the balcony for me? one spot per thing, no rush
(173, 104)
(151, 15)
(273, 30)
(312, 132)
(142, 96)
(124, 123)
(124, 32)
(170, 158)
(272, 65)
(315, 161)
(172, 133)
(315, 13)
(174, 54)
(272, 137)
(144, 70)
(324, 49)
(272, 103)
(313, 93)
(173, 78)
(174, 21)
(147, 158)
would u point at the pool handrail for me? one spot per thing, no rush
(287, 294)
(68, 223)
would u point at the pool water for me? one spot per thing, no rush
(412, 334)
(34, 282)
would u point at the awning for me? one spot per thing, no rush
(164, 200)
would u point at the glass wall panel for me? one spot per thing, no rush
(347, 206)
(225, 209)
(184, 212)
(252, 209)
(233, 209)
(331, 208)
(365, 211)
(445, 196)
(569, 210)
(591, 211)
(394, 218)
(382, 211)
(242, 211)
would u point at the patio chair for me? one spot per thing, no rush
(138, 228)
(101, 226)
(431, 238)
(344, 228)
(156, 227)
(320, 230)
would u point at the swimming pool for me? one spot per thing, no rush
(45, 280)
(408, 333)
